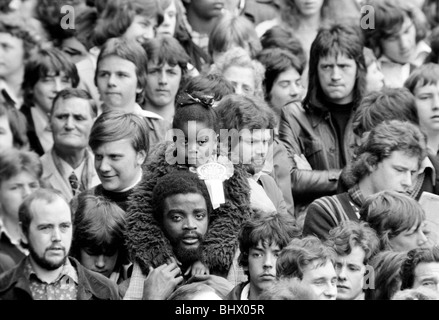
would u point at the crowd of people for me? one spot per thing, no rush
(219, 150)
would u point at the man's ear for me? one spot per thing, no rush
(23, 234)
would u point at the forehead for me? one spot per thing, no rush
(356, 256)
(289, 74)
(198, 127)
(336, 58)
(184, 201)
(57, 211)
(75, 105)
(21, 177)
(256, 134)
(263, 244)
(118, 146)
(318, 269)
(427, 88)
(116, 64)
(402, 158)
(239, 73)
(7, 38)
(427, 269)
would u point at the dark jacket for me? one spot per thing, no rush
(146, 242)
(236, 292)
(326, 213)
(91, 285)
(312, 133)
(34, 141)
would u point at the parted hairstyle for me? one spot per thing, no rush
(195, 106)
(382, 140)
(234, 30)
(413, 259)
(190, 291)
(115, 125)
(386, 266)
(386, 104)
(177, 182)
(18, 125)
(44, 62)
(276, 61)
(98, 228)
(129, 50)
(390, 213)
(388, 18)
(424, 75)
(71, 93)
(287, 289)
(14, 161)
(335, 40)
(350, 234)
(267, 230)
(114, 19)
(301, 253)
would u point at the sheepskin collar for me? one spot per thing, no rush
(146, 242)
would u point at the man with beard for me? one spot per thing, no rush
(47, 273)
(182, 209)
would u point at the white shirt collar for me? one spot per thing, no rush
(245, 293)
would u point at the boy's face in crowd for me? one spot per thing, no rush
(401, 46)
(11, 54)
(99, 262)
(396, 173)
(47, 87)
(71, 123)
(350, 271)
(118, 164)
(14, 190)
(427, 274)
(198, 144)
(337, 76)
(286, 88)
(6, 137)
(321, 279)
(374, 78)
(142, 28)
(162, 84)
(117, 82)
(50, 233)
(167, 28)
(262, 266)
(185, 222)
(242, 79)
(427, 105)
(410, 239)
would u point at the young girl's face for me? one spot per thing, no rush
(200, 142)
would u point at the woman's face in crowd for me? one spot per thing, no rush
(401, 46)
(409, 239)
(242, 79)
(167, 28)
(309, 7)
(47, 88)
(286, 88)
(6, 137)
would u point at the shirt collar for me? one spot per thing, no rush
(245, 293)
(145, 113)
(134, 184)
(67, 169)
(4, 232)
(426, 163)
(67, 270)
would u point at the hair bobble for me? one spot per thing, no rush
(204, 100)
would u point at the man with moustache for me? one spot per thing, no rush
(182, 209)
(48, 273)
